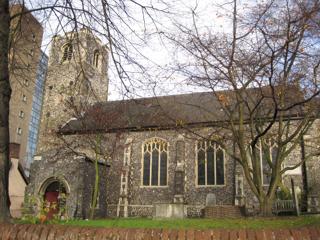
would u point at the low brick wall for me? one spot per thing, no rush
(52, 232)
(224, 211)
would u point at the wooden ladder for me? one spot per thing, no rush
(122, 208)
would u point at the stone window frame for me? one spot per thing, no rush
(24, 98)
(96, 58)
(67, 52)
(33, 36)
(19, 130)
(21, 114)
(153, 139)
(196, 167)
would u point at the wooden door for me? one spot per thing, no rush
(51, 201)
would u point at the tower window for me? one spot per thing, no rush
(33, 37)
(67, 52)
(21, 114)
(96, 58)
(19, 131)
(26, 82)
(24, 98)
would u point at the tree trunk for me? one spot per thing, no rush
(266, 207)
(5, 93)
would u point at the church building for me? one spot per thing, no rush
(150, 154)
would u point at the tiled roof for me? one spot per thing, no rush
(196, 109)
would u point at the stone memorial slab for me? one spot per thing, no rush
(211, 200)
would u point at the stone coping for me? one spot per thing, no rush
(46, 232)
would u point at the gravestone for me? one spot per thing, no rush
(211, 200)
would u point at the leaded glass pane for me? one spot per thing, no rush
(220, 166)
(146, 169)
(163, 169)
(155, 167)
(210, 166)
(201, 167)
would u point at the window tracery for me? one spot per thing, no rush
(155, 162)
(210, 163)
(67, 52)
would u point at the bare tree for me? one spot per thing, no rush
(264, 75)
(113, 21)
(4, 103)
(96, 146)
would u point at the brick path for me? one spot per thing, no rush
(52, 232)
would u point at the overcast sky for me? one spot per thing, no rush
(160, 80)
(154, 51)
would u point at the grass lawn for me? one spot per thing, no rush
(252, 223)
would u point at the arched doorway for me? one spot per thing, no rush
(54, 194)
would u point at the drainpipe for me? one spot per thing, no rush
(304, 177)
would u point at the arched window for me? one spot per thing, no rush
(155, 162)
(210, 163)
(67, 52)
(96, 58)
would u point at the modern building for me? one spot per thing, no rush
(36, 111)
(24, 56)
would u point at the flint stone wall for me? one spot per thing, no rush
(76, 174)
(142, 197)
